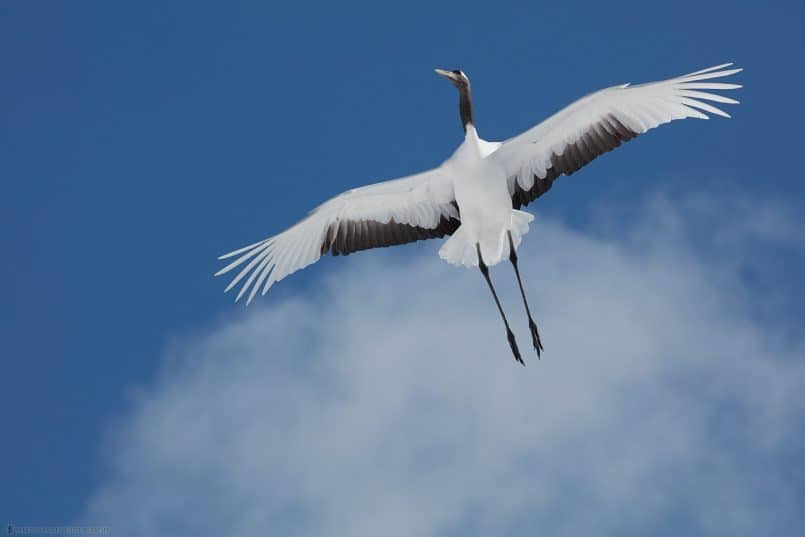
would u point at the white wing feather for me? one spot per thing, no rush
(420, 200)
(639, 108)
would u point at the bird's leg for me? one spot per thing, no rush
(531, 324)
(509, 334)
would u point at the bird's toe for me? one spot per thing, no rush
(513, 345)
(535, 340)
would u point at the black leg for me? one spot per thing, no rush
(509, 334)
(531, 324)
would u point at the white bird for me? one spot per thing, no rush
(475, 195)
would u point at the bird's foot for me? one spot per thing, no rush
(513, 345)
(535, 337)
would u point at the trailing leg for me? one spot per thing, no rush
(509, 334)
(531, 324)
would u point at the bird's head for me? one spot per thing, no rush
(456, 76)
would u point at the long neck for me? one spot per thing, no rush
(465, 105)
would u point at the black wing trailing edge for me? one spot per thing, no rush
(347, 236)
(602, 137)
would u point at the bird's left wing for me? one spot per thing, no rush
(599, 123)
(420, 206)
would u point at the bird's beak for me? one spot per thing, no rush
(446, 74)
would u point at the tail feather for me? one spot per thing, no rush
(519, 226)
(460, 248)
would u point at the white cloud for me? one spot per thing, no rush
(385, 401)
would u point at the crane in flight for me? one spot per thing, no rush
(475, 196)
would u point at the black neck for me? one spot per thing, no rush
(465, 105)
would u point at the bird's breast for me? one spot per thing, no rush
(482, 193)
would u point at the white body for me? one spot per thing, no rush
(484, 203)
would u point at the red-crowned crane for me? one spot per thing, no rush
(475, 196)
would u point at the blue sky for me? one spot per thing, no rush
(141, 141)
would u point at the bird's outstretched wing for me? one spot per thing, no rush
(599, 123)
(420, 206)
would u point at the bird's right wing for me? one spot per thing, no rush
(602, 121)
(420, 206)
